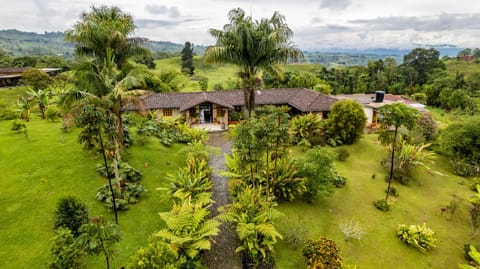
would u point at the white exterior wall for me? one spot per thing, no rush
(369, 113)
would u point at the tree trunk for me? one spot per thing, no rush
(42, 110)
(391, 164)
(109, 178)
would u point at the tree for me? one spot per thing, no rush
(64, 252)
(187, 59)
(71, 213)
(319, 173)
(461, 141)
(396, 115)
(101, 39)
(36, 79)
(423, 63)
(252, 46)
(98, 236)
(42, 97)
(104, 34)
(98, 133)
(346, 120)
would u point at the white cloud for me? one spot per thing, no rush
(316, 23)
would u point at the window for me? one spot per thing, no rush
(238, 108)
(167, 112)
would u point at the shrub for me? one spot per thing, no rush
(351, 229)
(7, 112)
(128, 194)
(420, 237)
(322, 253)
(381, 205)
(287, 184)
(468, 248)
(339, 181)
(319, 173)
(64, 253)
(342, 154)
(125, 170)
(464, 168)
(305, 127)
(427, 125)
(18, 125)
(157, 254)
(346, 121)
(294, 231)
(393, 191)
(52, 112)
(71, 213)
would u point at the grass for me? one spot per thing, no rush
(51, 164)
(216, 73)
(9, 95)
(469, 68)
(379, 248)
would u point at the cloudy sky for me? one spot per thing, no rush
(316, 23)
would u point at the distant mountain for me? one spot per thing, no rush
(18, 43)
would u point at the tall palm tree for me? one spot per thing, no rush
(253, 46)
(104, 33)
(102, 40)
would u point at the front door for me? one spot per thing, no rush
(205, 113)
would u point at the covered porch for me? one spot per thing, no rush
(207, 112)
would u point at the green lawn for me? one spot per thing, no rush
(51, 164)
(379, 247)
(9, 95)
(216, 73)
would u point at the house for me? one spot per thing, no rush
(213, 108)
(371, 103)
(12, 76)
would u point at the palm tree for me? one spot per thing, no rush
(253, 46)
(101, 38)
(104, 33)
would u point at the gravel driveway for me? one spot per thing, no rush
(222, 255)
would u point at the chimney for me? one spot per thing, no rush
(379, 96)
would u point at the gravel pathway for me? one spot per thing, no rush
(222, 255)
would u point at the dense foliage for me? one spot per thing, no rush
(461, 141)
(322, 254)
(419, 236)
(347, 121)
(71, 213)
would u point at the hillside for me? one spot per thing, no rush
(18, 43)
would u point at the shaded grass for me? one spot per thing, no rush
(51, 164)
(379, 248)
